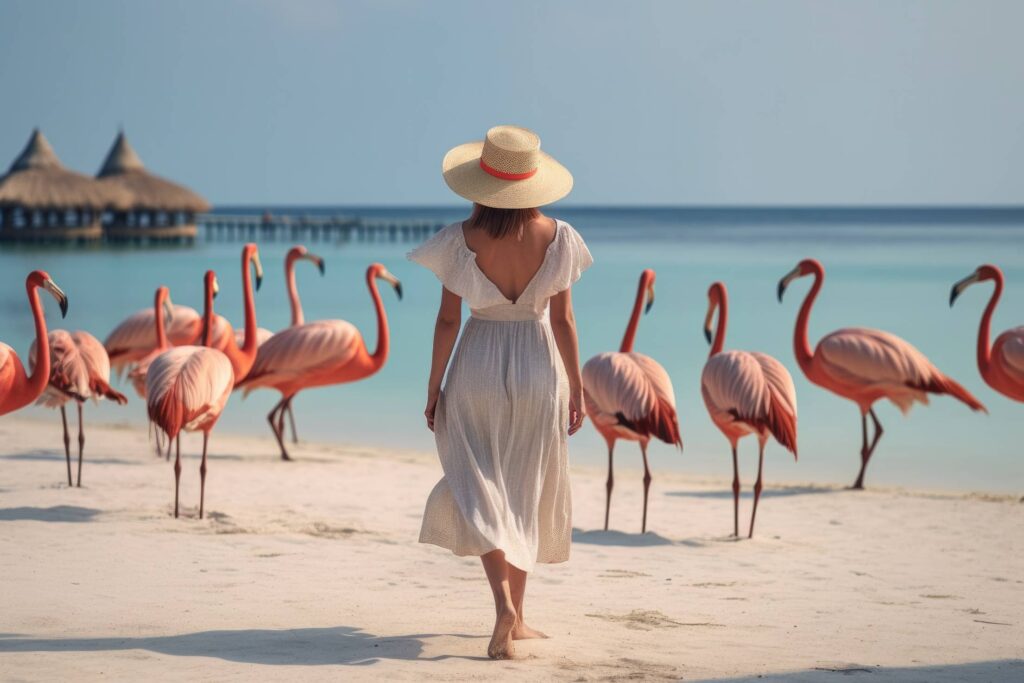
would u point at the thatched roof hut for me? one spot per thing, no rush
(123, 170)
(38, 181)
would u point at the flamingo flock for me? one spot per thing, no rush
(185, 366)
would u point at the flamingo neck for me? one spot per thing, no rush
(985, 328)
(208, 317)
(158, 311)
(380, 354)
(634, 320)
(801, 346)
(37, 381)
(293, 291)
(723, 319)
(249, 346)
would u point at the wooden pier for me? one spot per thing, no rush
(217, 227)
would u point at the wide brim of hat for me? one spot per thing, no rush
(462, 172)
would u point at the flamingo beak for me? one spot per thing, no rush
(707, 323)
(259, 269)
(393, 281)
(650, 299)
(216, 288)
(960, 286)
(58, 294)
(784, 282)
(319, 264)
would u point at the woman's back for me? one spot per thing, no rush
(511, 262)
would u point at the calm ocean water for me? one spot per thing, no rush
(885, 272)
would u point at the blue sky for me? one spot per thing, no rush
(719, 102)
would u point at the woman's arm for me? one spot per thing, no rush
(446, 331)
(563, 326)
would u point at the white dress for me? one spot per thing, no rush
(501, 420)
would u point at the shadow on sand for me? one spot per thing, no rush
(767, 493)
(292, 647)
(996, 670)
(620, 538)
(54, 455)
(57, 513)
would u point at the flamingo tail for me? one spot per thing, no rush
(946, 385)
(101, 388)
(660, 422)
(779, 422)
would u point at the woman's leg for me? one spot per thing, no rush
(517, 584)
(498, 575)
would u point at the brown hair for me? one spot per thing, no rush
(500, 223)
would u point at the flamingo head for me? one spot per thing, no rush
(647, 287)
(300, 252)
(985, 272)
(210, 285)
(716, 294)
(163, 300)
(251, 253)
(808, 266)
(378, 272)
(40, 278)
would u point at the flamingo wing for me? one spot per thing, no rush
(753, 389)
(187, 388)
(69, 374)
(1011, 352)
(135, 336)
(633, 391)
(872, 359)
(262, 335)
(302, 350)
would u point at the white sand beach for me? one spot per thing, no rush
(310, 570)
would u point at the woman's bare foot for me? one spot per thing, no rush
(501, 642)
(523, 632)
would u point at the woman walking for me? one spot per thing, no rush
(513, 392)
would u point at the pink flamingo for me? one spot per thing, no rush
(17, 389)
(1001, 364)
(79, 370)
(222, 335)
(745, 393)
(629, 396)
(294, 255)
(161, 301)
(319, 354)
(135, 338)
(864, 365)
(186, 389)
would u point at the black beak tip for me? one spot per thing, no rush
(952, 296)
(398, 290)
(707, 335)
(647, 308)
(781, 290)
(259, 281)
(320, 265)
(64, 307)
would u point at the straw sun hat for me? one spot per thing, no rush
(507, 170)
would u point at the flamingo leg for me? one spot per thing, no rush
(280, 418)
(273, 419)
(291, 422)
(867, 451)
(757, 486)
(608, 485)
(170, 442)
(735, 493)
(647, 485)
(202, 475)
(81, 445)
(177, 472)
(67, 441)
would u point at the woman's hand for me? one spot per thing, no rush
(576, 409)
(432, 396)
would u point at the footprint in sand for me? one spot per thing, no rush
(646, 620)
(620, 574)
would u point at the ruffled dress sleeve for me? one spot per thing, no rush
(447, 256)
(574, 258)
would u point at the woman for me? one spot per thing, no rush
(510, 399)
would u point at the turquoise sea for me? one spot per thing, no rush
(886, 269)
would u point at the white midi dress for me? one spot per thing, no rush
(501, 420)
